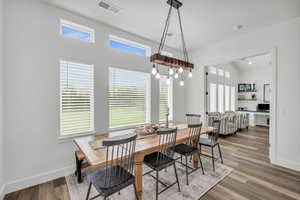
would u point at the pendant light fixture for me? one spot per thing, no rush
(173, 63)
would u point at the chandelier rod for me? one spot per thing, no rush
(185, 53)
(164, 35)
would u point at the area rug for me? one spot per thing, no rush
(199, 184)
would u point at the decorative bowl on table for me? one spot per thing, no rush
(147, 130)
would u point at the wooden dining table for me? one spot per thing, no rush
(144, 146)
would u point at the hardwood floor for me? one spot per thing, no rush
(253, 178)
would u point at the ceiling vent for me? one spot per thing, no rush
(110, 6)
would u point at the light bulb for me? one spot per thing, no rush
(157, 76)
(250, 63)
(181, 83)
(154, 71)
(168, 81)
(171, 71)
(190, 74)
(180, 70)
(176, 75)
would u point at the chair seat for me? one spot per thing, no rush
(158, 161)
(207, 142)
(120, 179)
(184, 149)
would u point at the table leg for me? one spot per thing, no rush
(139, 176)
(195, 155)
(195, 160)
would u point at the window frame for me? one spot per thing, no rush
(129, 43)
(62, 137)
(78, 27)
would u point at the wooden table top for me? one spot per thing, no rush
(144, 146)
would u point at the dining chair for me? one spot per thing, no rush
(118, 171)
(193, 118)
(190, 149)
(212, 141)
(163, 158)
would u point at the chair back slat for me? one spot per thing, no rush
(216, 130)
(167, 139)
(194, 133)
(193, 118)
(120, 158)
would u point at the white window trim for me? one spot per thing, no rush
(131, 43)
(79, 27)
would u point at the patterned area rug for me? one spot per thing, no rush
(199, 184)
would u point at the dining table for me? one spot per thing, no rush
(144, 146)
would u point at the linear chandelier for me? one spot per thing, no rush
(174, 64)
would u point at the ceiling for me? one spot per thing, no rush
(204, 21)
(255, 62)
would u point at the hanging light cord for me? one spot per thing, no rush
(185, 53)
(164, 35)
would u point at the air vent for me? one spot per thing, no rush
(110, 6)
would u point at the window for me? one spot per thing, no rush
(165, 98)
(76, 98)
(221, 72)
(212, 70)
(221, 98)
(232, 99)
(77, 31)
(129, 98)
(227, 98)
(129, 46)
(227, 74)
(213, 97)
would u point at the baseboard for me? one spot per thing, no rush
(287, 164)
(2, 192)
(37, 179)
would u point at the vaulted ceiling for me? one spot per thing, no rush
(204, 21)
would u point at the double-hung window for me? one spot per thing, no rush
(165, 98)
(77, 31)
(76, 98)
(129, 98)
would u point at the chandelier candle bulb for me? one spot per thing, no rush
(176, 75)
(190, 74)
(154, 70)
(171, 71)
(180, 70)
(157, 76)
(181, 83)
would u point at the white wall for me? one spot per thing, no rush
(33, 50)
(286, 38)
(259, 76)
(1, 101)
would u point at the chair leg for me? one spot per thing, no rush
(156, 185)
(186, 170)
(135, 192)
(89, 190)
(212, 157)
(200, 148)
(176, 177)
(201, 163)
(220, 153)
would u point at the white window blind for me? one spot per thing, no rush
(213, 97)
(227, 98)
(76, 98)
(232, 99)
(221, 98)
(129, 98)
(165, 98)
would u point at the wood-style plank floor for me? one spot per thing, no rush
(253, 178)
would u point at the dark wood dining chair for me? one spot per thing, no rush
(163, 158)
(212, 142)
(190, 148)
(193, 118)
(118, 171)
